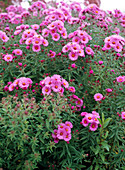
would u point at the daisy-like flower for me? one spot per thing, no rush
(65, 49)
(35, 26)
(64, 34)
(84, 39)
(36, 48)
(76, 39)
(107, 46)
(65, 83)
(4, 38)
(28, 41)
(18, 52)
(54, 135)
(61, 126)
(67, 123)
(118, 47)
(93, 126)
(45, 42)
(45, 32)
(98, 96)
(11, 87)
(23, 83)
(79, 102)
(8, 57)
(89, 117)
(55, 36)
(120, 79)
(89, 51)
(85, 122)
(61, 133)
(67, 137)
(75, 47)
(72, 89)
(123, 115)
(56, 87)
(46, 90)
(36, 41)
(73, 56)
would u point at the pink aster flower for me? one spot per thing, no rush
(56, 79)
(84, 39)
(72, 89)
(85, 122)
(45, 32)
(61, 133)
(4, 38)
(64, 34)
(56, 87)
(23, 83)
(98, 96)
(107, 46)
(36, 48)
(67, 137)
(67, 129)
(93, 126)
(8, 57)
(94, 118)
(120, 79)
(11, 87)
(55, 36)
(123, 115)
(36, 41)
(46, 90)
(118, 47)
(67, 123)
(28, 41)
(61, 126)
(76, 39)
(45, 42)
(89, 51)
(75, 47)
(65, 83)
(73, 56)
(79, 102)
(89, 117)
(18, 52)
(65, 48)
(35, 26)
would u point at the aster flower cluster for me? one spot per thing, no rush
(30, 36)
(91, 118)
(22, 82)
(79, 41)
(53, 83)
(63, 132)
(3, 36)
(54, 29)
(114, 41)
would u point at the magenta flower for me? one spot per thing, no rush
(89, 51)
(36, 48)
(11, 87)
(18, 52)
(65, 83)
(55, 36)
(67, 123)
(98, 96)
(72, 89)
(85, 122)
(56, 87)
(73, 56)
(89, 117)
(79, 102)
(93, 126)
(54, 135)
(45, 42)
(8, 57)
(120, 79)
(67, 136)
(61, 133)
(46, 90)
(123, 115)
(23, 83)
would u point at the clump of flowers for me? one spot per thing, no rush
(114, 41)
(22, 82)
(63, 132)
(54, 83)
(91, 118)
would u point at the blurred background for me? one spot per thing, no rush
(103, 4)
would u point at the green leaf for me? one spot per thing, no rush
(102, 157)
(103, 118)
(99, 121)
(105, 145)
(106, 122)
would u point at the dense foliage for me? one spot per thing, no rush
(62, 87)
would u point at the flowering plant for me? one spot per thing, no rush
(58, 63)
